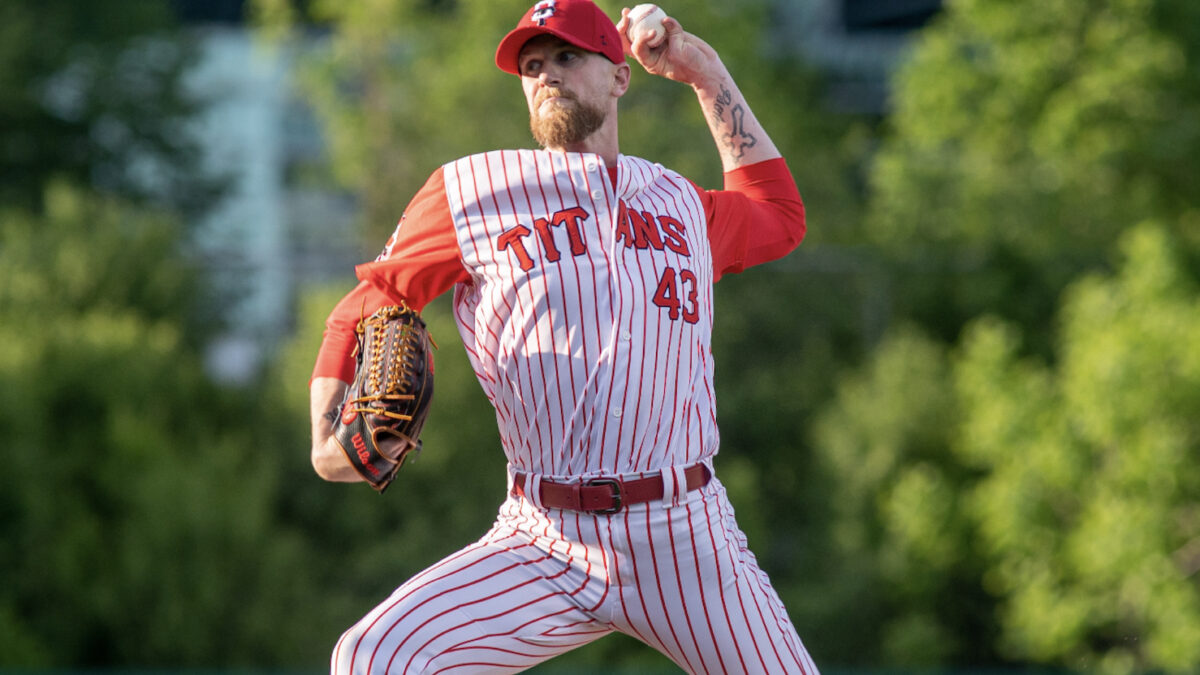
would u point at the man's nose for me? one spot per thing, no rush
(549, 76)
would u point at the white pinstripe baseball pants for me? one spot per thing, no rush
(542, 582)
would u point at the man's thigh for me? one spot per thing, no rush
(500, 605)
(689, 586)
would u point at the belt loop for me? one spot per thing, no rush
(674, 485)
(533, 489)
(526, 485)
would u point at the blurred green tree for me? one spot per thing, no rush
(96, 95)
(997, 509)
(1086, 508)
(135, 515)
(901, 543)
(138, 500)
(1025, 137)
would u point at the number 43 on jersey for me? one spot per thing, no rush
(677, 293)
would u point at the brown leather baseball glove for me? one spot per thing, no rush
(387, 404)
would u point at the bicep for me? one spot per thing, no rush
(758, 218)
(422, 259)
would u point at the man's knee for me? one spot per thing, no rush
(368, 647)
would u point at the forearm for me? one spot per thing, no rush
(741, 140)
(328, 460)
(684, 57)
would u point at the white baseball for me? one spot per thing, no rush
(646, 19)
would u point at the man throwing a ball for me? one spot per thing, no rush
(583, 292)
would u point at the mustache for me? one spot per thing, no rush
(551, 93)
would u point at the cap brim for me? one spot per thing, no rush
(509, 51)
(510, 47)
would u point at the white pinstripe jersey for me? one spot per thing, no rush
(588, 317)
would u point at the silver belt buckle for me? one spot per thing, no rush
(615, 485)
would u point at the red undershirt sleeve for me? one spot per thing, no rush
(757, 218)
(420, 261)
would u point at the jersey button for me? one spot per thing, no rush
(597, 194)
(591, 166)
(616, 411)
(626, 335)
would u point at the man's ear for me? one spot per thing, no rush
(621, 75)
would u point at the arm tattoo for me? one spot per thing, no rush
(719, 105)
(737, 140)
(332, 416)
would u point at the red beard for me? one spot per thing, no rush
(564, 124)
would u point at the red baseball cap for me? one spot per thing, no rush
(579, 22)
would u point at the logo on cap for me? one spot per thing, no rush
(542, 11)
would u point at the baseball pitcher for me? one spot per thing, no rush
(583, 293)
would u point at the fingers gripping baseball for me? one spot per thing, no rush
(672, 53)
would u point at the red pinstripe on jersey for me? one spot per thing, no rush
(587, 373)
(586, 310)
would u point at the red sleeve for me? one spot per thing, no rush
(757, 218)
(420, 262)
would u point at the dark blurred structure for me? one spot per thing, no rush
(210, 11)
(855, 43)
(871, 15)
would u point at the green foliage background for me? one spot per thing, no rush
(959, 424)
